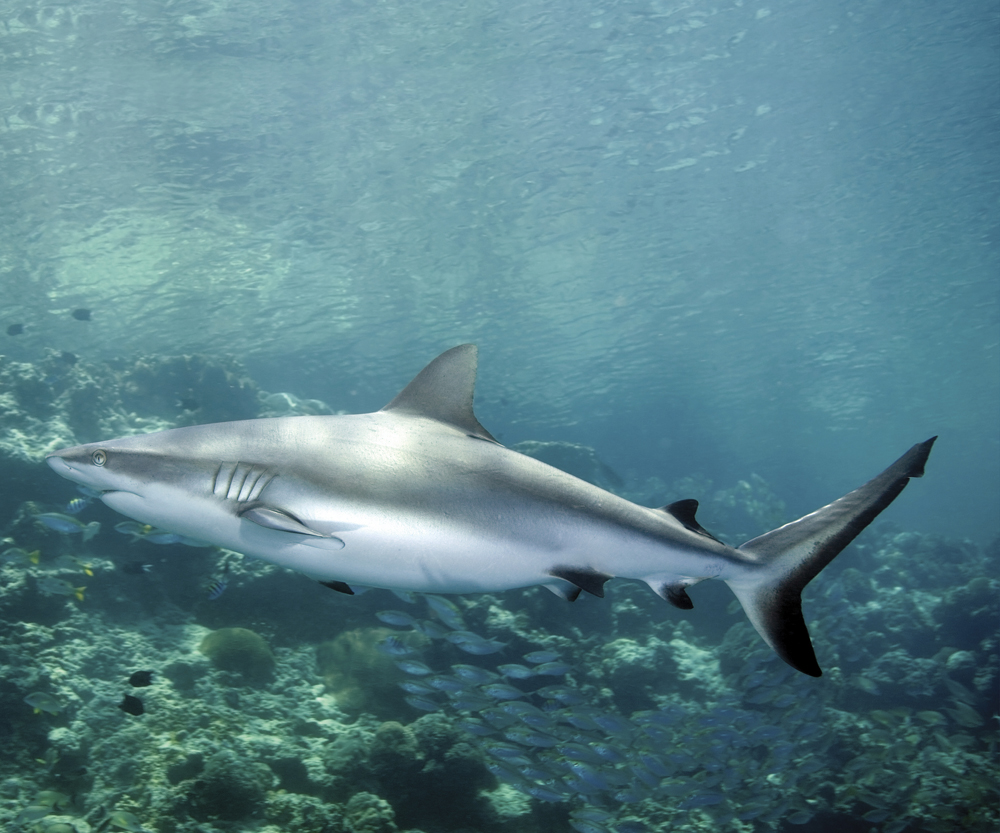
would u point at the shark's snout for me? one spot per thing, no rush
(58, 464)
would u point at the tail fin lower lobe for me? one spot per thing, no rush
(790, 556)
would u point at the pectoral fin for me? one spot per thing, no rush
(271, 518)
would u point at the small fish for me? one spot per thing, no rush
(582, 721)
(474, 727)
(516, 672)
(580, 752)
(131, 705)
(81, 314)
(42, 702)
(566, 696)
(52, 586)
(126, 821)
(71, 562)
(67, 524)
(407, 596)
(50, 758)
(447, 683)
(53, 798)
(216, 589)
(422, 703)
(545, 724)
(136, 568)
(446, 611)
(473, 643)
(433, 630)
(76, 506)
(701, 800)
(189, 404)
(644, 775)
(414, 667)
(608, 752)
(504, 751)
(505, 773)
(15, 329)
(396, 618)
(614, 724)
(589, 775)
(392, 646)
(544, 793)
(15, 555)
(528, 737)
(133, 528)
(655, 765)
(86, 491)
(416, 687)
(474, 674)
(538, 657)
(141, 679)
(502, 691)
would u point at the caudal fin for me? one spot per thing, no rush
(790, 556)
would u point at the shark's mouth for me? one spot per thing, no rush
(112, 492)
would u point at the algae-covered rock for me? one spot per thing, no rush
(367, 813)
(289, 811)
(241, 651)
(359, 676)
(395, 753)
(445, 790)
(230, 788)
(969, 613)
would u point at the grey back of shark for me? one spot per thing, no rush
(419, 496)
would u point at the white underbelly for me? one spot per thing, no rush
(402, 557)
(425, 553)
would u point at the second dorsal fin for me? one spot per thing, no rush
(443, 391)
(683, 511)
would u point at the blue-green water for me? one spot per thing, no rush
(744, 252)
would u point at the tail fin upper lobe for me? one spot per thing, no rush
(793, 554)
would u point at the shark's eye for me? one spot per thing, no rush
(99, 458)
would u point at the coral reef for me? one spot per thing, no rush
(272, 710)
(241, 651)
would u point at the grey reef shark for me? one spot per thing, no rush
(419, 496)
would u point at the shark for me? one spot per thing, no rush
(419, 496)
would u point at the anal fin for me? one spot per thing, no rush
(677, 595)
(673, 589)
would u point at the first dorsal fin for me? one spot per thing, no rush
(443, 391)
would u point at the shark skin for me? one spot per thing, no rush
(419, 496)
